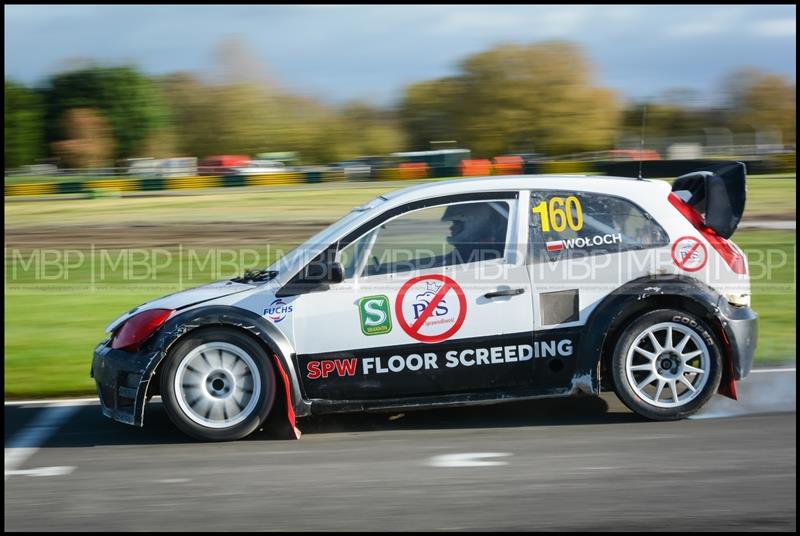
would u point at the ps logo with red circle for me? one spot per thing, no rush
(431, 308)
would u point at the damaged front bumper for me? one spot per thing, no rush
(122, 379)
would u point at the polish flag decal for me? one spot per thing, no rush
(555, 245)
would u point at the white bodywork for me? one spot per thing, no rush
(328, 321)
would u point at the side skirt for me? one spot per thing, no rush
(319, 407)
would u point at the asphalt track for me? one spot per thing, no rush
(572, 464)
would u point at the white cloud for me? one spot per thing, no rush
(776, 28)
(537, 22)
(695, 28)
(724, 20)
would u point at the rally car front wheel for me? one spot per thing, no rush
(217, 385)
(666, 364)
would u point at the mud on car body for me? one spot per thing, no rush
(460, 292)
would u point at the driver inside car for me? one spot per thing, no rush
(477, 231)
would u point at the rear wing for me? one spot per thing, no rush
(718, 193)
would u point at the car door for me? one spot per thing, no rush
(436, 299)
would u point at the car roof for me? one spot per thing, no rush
(628, 187)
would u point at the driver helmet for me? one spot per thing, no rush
(474, 222)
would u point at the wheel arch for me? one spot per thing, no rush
(610, 317)
(270, 338)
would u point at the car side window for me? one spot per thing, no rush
(431, 237)
(583, 223)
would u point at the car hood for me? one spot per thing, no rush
(185, 298)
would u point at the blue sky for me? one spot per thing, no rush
(339, 53)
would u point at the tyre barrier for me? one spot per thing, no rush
(407, 171)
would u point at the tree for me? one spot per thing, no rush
(369, 131)
(250, 118)
(24, 123)
(89, 142)
(430, 111)
(666, 121)
(762, 102)
(128, 100)
(516, 98)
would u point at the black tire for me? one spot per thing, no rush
(252, 419)
(646, 400)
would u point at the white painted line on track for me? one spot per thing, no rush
(792, 369)
(25, 443)
(468, 459)
(52, 401)
(43, 471)
(62, 401)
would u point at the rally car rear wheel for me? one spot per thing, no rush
(666, 365)
(218, 385)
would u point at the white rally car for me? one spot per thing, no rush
(460, 292)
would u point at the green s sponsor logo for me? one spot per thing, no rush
(375, 316)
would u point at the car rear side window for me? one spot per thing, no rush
(583, 223)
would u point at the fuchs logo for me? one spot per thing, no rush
(278, 310)
(597, 240)
(374, 314)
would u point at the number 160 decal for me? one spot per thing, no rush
(560, 213)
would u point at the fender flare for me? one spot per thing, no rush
(631, 298)
(226, 315)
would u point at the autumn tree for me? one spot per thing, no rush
(762, 102)
(89, 140)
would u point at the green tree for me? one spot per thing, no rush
(24, 126)
(128, 100)
(429, 112)
(515, 98)
(667, 121)
(369, 131)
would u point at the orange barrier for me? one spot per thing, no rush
(508, 165)
(413, 170)
(473, 168)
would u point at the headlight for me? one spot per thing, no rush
(138, 329)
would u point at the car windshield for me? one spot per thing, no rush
(303, 253)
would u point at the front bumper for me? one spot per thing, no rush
(741, 331)
(122, 379)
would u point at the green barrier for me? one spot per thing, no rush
(531, 168)
(445, 171)
(312, 177)
(152, 183)
(70, 187)
(234, 180)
